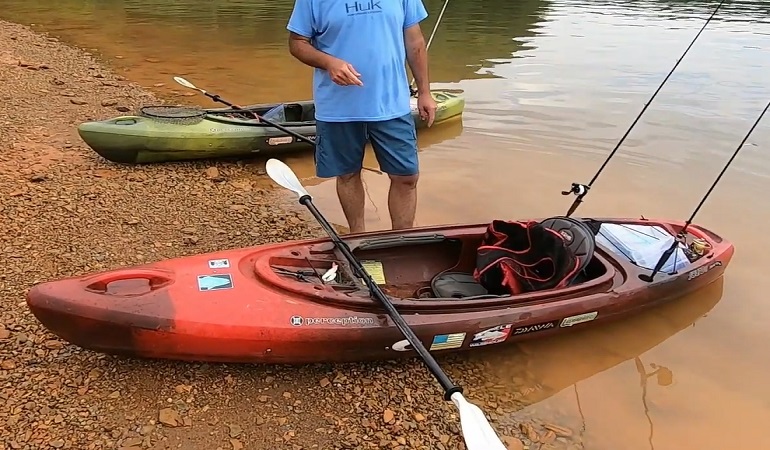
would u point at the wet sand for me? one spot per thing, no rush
(66, 211)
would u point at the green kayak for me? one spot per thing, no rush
(165, 133)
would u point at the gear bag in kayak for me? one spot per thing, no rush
(519, 257)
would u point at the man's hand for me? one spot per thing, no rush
(426, 106)
(343, 73)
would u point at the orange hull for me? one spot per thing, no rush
(248, 310)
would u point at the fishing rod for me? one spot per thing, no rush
(581, 190)
(430, 39)
(670, 250)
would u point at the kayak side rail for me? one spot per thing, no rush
(399, 241)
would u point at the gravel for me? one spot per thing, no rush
(66, 211)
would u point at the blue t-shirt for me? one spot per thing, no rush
(368, 34)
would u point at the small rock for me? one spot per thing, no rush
(58, 443)
(212, 173)
(235, 431)
(559, 430)
(132, 442)
(190, 240)
(512, 443)
(236, 444)
(168, 417)
(388, 416)
(529, 431)
(77, 101)
(109, 102)
(53, 345)
(123, 108)
(548, 437)
(37, 178)
(325, 382)
(4, 334)
(7, 365)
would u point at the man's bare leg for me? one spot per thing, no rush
(350, 191)
(402, 201)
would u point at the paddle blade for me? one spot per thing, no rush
(477, 432)
(185, 83)
(284, 176)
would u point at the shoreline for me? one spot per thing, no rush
(70, 212)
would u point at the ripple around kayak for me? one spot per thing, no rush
(220, 132)
(267, 304)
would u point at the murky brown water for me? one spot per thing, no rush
(551, 86)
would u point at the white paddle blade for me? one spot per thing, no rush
(185, 83)
(284, 176)
(477, 432)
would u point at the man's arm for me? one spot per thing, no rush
(301, 48)
(417, 57)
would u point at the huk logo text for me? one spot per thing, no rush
(363, 7)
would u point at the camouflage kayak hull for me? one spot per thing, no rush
(223, 132)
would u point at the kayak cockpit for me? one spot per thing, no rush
(439, 269)
(302, 112)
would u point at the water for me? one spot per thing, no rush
(551, 87)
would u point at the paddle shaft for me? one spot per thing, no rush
(449, 387)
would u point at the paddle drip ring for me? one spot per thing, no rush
(182, 115)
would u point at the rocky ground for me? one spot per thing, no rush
(66, 211)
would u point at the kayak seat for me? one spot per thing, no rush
(456, 285)
(579, 237)
(569, 255)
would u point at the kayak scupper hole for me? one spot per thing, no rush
(294, 253)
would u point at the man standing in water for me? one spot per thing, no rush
(358, 49)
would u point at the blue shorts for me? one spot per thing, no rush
(340, 146)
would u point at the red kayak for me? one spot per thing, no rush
(273, 304)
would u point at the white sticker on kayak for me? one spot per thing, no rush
(280, 140)
(402, 346)
(219, 263)
(492, 335)
(580, 318)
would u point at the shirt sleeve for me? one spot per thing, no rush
(301, 20)
(414, 12)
